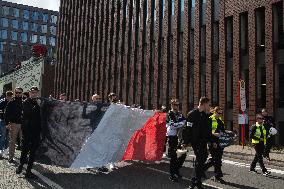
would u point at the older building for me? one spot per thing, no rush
(22, 26)
(148, 51)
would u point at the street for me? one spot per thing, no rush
(138, 175)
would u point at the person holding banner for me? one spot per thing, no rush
(258, 136)
(216, 151)
(174, 121)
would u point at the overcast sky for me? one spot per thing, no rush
(46, 4)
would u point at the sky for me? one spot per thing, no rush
(46, 4)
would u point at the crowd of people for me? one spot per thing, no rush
(20, 120)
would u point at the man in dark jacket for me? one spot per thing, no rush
(199, 130)
(268, 122)
(31, 129)
(13, 119)
(3, 130)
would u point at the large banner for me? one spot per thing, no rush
(80, 135)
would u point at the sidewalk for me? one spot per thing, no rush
(237, 152)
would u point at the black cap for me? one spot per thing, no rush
(33, 88)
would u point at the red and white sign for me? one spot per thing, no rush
(243, 104)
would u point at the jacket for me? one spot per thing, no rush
(175, 120)
(31, 118)
(14, 111)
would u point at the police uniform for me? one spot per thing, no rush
(174, 121)
(31, 129)
(199, 134)
(217, 126)
(258, 136)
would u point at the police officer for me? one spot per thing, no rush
(31, 129)
(258, 136)
(175, 120)
(200, 136)
(217, 127)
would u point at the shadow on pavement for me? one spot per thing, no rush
(238, 185)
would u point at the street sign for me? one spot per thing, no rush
(242, 95)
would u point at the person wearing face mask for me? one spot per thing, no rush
(199, 131)
(258, 135)
(13, 119)
(31, 130)
(174, 121)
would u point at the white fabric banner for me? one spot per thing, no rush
(109, 141)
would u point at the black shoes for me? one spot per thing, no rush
(11, 160)
(19, 169)
(220, 180)
(252, 170)
(266, 173)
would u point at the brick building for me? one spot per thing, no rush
(21, 27)
(148, 51)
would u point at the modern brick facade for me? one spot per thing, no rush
(148, 51)
(21, 27)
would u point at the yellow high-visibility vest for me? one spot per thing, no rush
(214, 123)
(257, 134)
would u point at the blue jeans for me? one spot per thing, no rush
(3, 135)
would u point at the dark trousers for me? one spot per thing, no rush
(259, 149)
(216, 161)
(29, 146)
(268, 146)
(175, 162)
(200, 151)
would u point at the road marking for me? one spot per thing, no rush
(240, 164)
(184, 178)
(44, 179)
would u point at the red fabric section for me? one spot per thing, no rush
(147, 144)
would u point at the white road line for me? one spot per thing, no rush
(45, 179)
(184, 178)
(240, 164)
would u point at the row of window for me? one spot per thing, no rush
(24, 37)
(25, 26)
(26, 14)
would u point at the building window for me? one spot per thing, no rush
(45, 17)
(260, 28)
(229, 36)
(15, 24)
(53, 19)
(24, 37)
(14, 35)
(4, 34)
(1, 59)
(34, 27)
(26, 14)
(281, 85)
(4, 22)
(52, 41)
(16, 12)
(1, 46)
(203, 12)
(35, 16)
(244, 33)
(216, 6)
(43, 28)
(192, 14)
(33, 38)
(25, 26)
(53, 30)
(42, 40)
(5, 11)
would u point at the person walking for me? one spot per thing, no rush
(217, 127)
(13, 119)
(199, 135)
(258, 136)
(268, 123)
(3, 130)
(31, 131)
(174, 121)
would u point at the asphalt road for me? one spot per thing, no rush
(132, 175)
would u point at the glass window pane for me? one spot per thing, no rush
(35, 15)
(26, 14)
(16, 12)
(34, 27)
(5, 10)
(4, 34)
(24, 37)
(43, 28)
(4, 22)
(45, 17)
(42, 40)
(25, 26)
(15, 24)
(53, 19)
(53, 30)
(33, 38)
(52, 41)
(14, 35)
(1, 46)
(1, 59)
